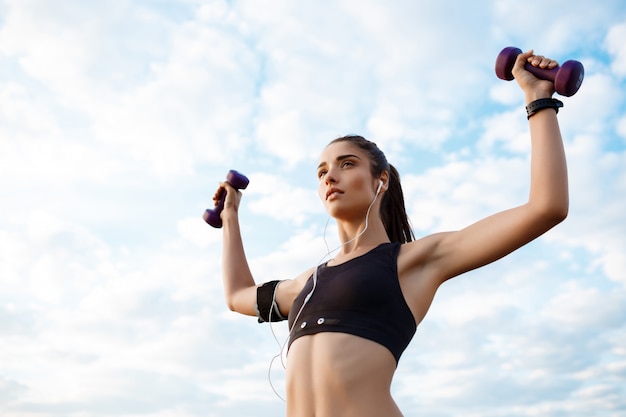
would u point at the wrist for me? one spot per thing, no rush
(229, 215)
(536, 95)
(542, 104)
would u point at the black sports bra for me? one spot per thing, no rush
(361, 297)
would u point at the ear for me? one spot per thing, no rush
(384, 177)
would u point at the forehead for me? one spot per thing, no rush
(339, 149)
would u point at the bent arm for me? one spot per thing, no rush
(496, 236)
(240, 288)
(239, 285)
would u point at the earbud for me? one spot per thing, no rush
(380, 185)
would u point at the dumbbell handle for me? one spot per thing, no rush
(213, 216)
(567, 78)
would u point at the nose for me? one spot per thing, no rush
(330, 177)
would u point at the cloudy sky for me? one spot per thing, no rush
(119, 118)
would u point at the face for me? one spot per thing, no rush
(346, 185)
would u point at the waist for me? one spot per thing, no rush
(339, 363)
(339, 375)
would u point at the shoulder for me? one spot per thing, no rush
(292, 287)
(421, 257)
(422, 250)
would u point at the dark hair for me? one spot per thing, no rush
(392, 210)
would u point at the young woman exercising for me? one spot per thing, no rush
(351, 318)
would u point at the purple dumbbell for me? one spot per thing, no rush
(239, 182)
(567, 78)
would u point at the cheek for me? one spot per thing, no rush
(360, 184)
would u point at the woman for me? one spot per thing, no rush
(351, 318)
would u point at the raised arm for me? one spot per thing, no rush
(240, 288)
(239, 285)
(453, 253)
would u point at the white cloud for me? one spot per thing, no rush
(621, 128)
(575, 306)
(509, 130)
(615, 46)
(274, 196)
(454, 195)
(596, 180)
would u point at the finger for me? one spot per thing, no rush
(231, 192)
(552, 64)
(226, 185)
(521, 60)
(221, 189)
(541, 61)
(526, 56)
(535, 60)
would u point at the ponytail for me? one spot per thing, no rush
(392, 210)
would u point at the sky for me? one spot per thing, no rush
(118, 119)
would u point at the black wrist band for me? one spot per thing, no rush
(543, 103)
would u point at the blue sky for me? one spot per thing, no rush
(119, 118)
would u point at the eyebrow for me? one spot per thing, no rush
(339, 158)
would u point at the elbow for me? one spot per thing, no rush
(238, 302)
(557, 218)
(230, 305)
(560, 211)
(554, 215)
(562, 215)
(549, 209)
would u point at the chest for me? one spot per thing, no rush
(358, 286)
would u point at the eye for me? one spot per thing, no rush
(321, 173)
(347, 164)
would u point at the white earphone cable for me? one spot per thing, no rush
(310, 294)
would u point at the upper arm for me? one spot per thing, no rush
(245, 300)
(288, 290)
(485, 241)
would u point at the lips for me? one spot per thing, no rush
(332, 192)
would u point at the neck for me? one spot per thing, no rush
(355, 238)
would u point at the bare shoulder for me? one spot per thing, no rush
(296, 284)
(289, 289)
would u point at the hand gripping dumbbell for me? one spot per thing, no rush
(238, 182)
(567, 78)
